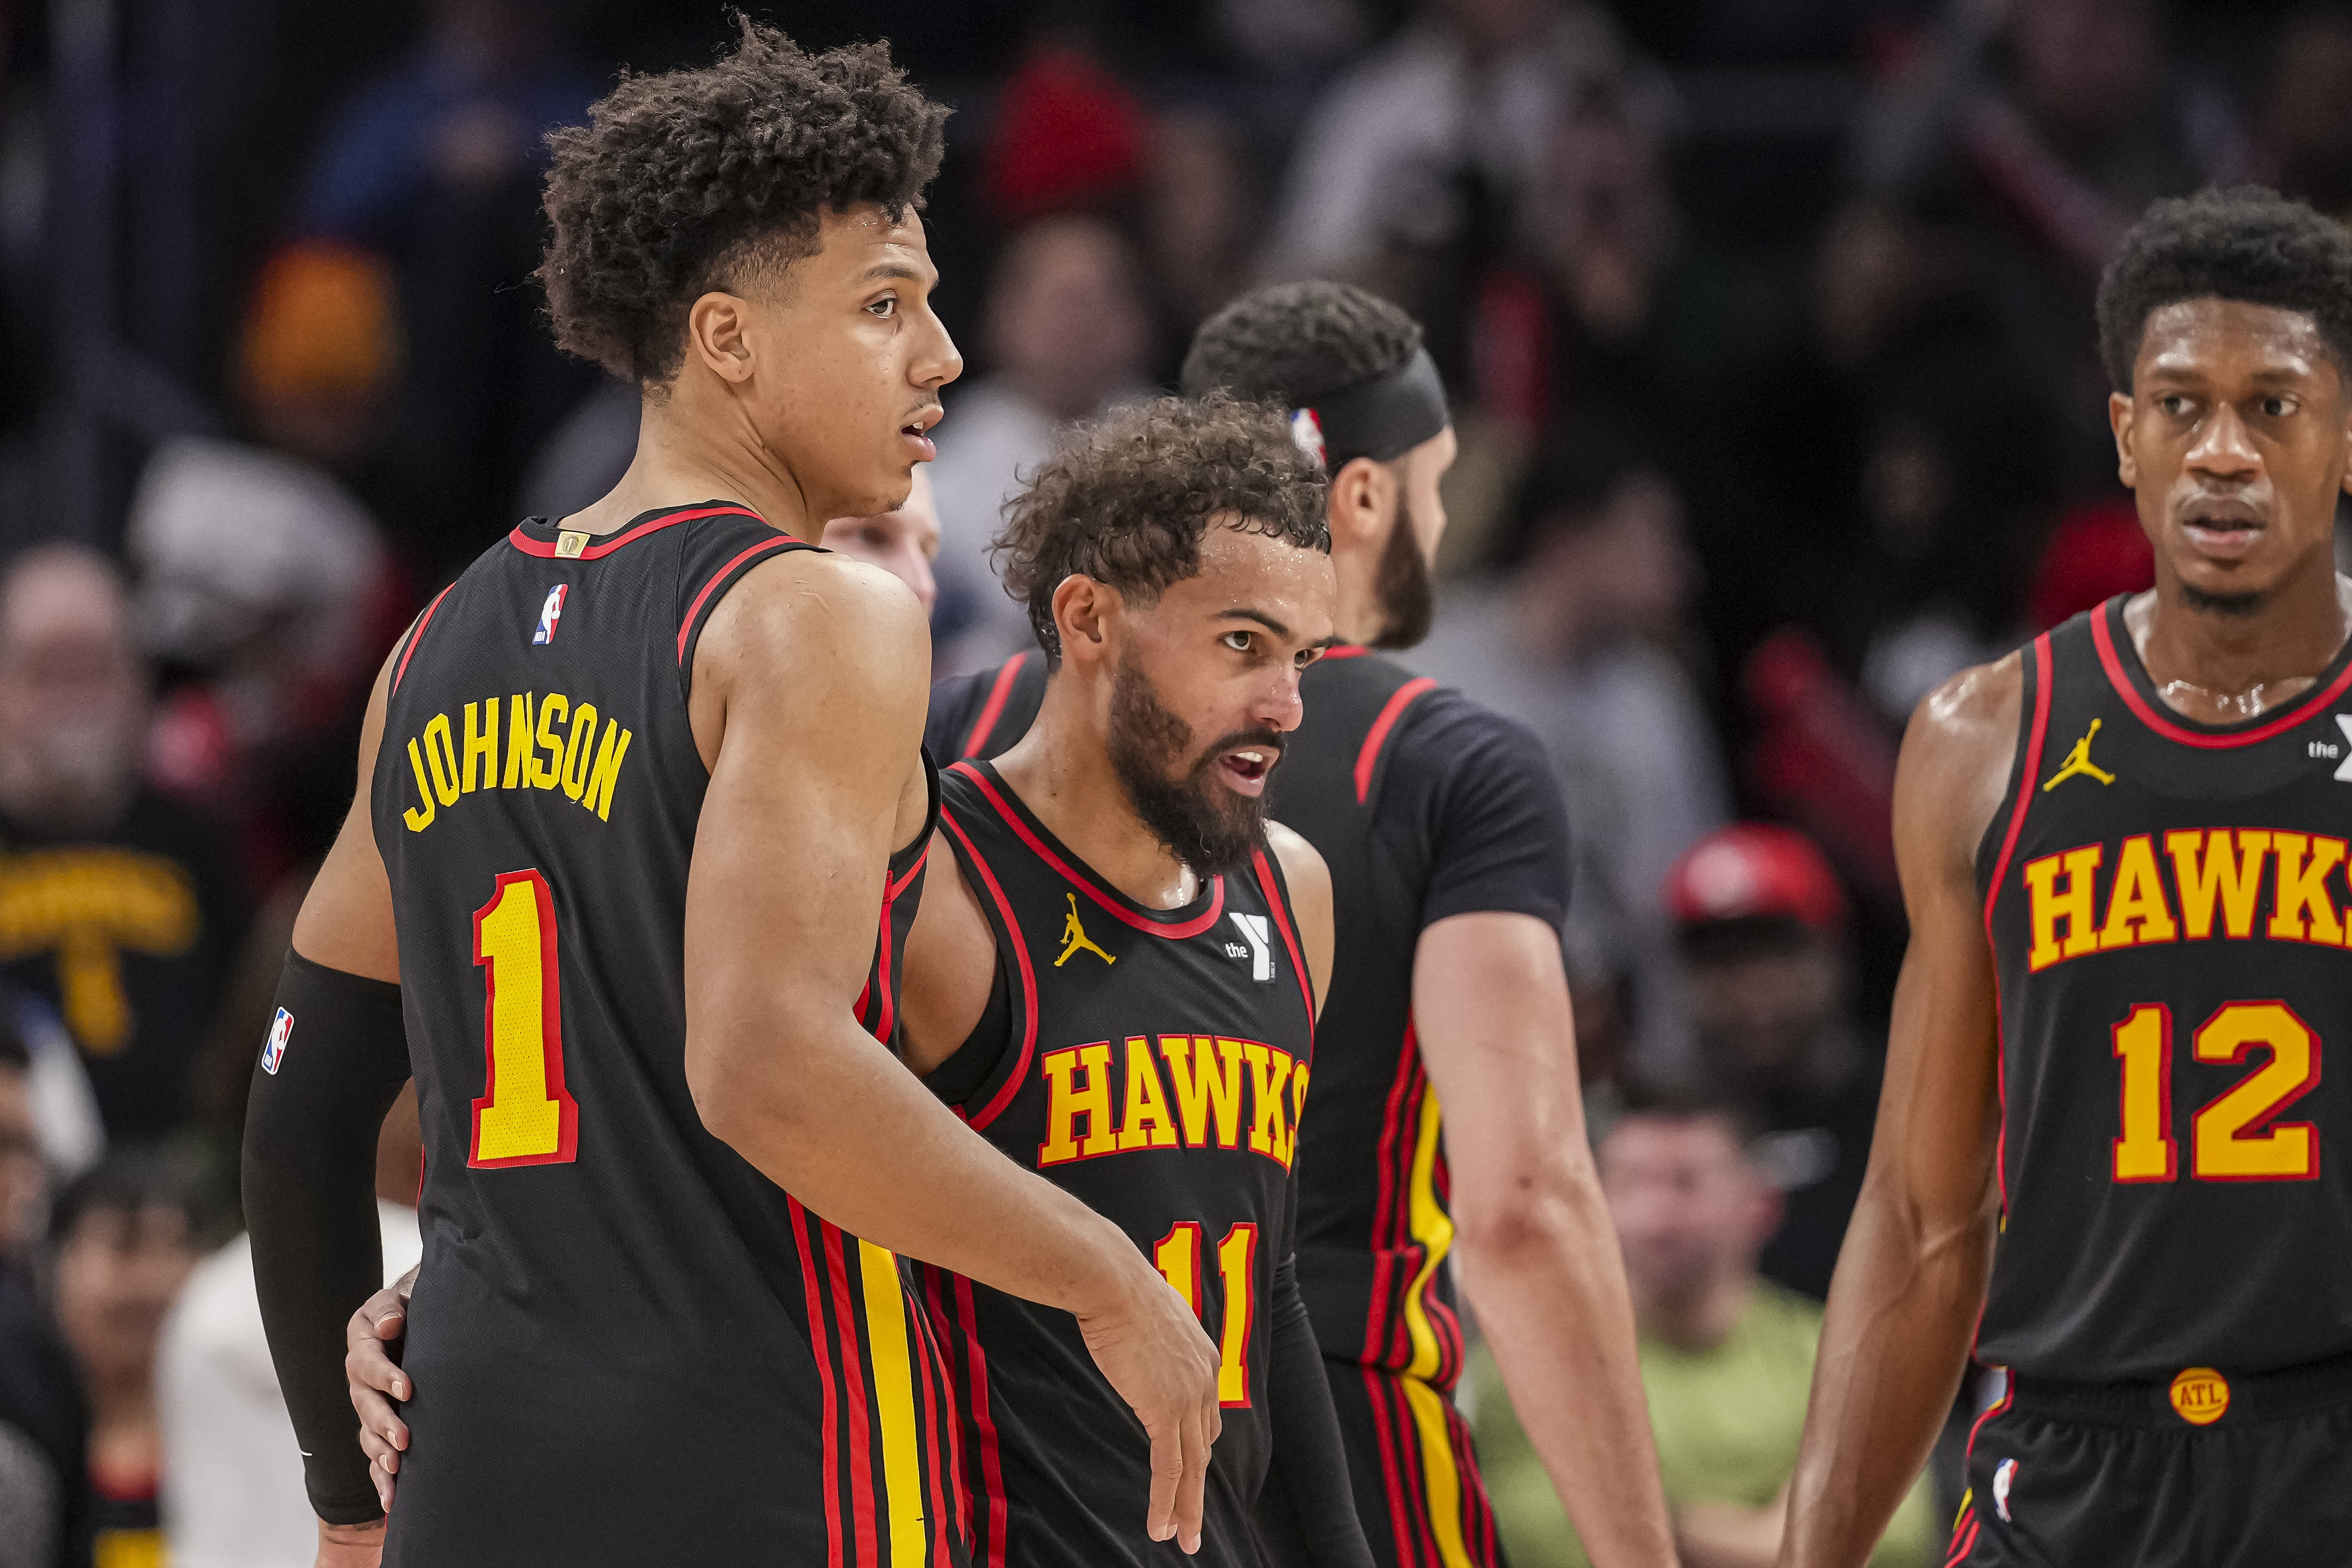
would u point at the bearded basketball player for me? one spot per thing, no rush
(629, 791)
(1443, 828)
(2108, 1158)
(1115, 971)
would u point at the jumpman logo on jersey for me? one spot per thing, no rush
(2078, 760)
(1074, 937)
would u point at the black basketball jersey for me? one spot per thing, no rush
(2167, 906)
(1423, 805)
(629, 1345)
(1153, 1063)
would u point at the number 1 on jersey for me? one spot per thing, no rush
(524, 1117)
(1178, 1257)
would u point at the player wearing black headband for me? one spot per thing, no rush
(1448, 850)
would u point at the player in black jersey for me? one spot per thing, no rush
(1443, 828)
(629, 790)
(1115, 972)
(2123, 849)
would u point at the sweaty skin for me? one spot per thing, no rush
(807, 397)
(2235, 441)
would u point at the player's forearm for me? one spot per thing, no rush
(837, 1122)
(1543, 1272)
(1902, 1311)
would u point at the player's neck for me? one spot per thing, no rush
(2236, 660)
(1063, 773)
(685, 455)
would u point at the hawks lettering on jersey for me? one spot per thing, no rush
(1207, 1074)
(2167, 911)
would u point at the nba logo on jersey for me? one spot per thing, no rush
(1307, 432)
(549, 613)
(273, 1049)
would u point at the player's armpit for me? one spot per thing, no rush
(1309, 881)
(1911, 1277)
(949, 963)
(1533, 1239)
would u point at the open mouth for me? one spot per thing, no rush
(2222, 532)
(917, 432)
(1245, 767)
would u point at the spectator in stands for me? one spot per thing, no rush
(44, 1428)
(117, 906)
(434, 166)
(1726, 1355)
(2046, 126)
(262, 578)
(1065, 332)
(1582, 634)
(123, 1238)
(1768, 971)
(233, 1490)
(903, 543)
(1453, 111)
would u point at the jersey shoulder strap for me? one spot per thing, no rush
(716, 548)
(1001, 705)
(1357, 702)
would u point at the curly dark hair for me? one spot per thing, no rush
(1127, 498)
(2243, 243)
(1296, 342)
(680, 183)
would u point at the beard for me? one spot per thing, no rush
(1402, 588)
(1212, 829)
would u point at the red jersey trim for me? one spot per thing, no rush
(887, 1015)
(2028, 778)
(1193, 927)
(2121, 680)
(993, 709)
(1345, 650)
(1378, 736)
(819, 1336)
(545, 548)
(694, 611)
(1274, 902)
(1012, 1084)
(417, 635)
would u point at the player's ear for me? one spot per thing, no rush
(715, 336)
(2119, 415)
(1361, 499)
(1082, 606)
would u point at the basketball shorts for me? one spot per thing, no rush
(1417, 1487)
(2206, 1470)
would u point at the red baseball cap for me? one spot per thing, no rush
(1752, 869)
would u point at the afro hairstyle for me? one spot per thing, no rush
(1127, 498)
(684, 182)
(2243, 243)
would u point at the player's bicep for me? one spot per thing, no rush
(1496, 1034)
(346, 918)
(1938, 1113)
(823, 700)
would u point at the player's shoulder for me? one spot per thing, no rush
(799, 594)
(1971, 715)
(1302, 864)
(1449, 739)
(1957, 757)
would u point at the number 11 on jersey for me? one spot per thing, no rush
(1178, 1257)
(524, 1117)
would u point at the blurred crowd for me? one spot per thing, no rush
(1768, 329)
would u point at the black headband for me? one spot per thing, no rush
(1382, 419)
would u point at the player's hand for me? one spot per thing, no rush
(1160, 1361)
(349, 1545)
(371, 1367)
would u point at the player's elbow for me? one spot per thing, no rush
(738, 1093)
(1531, 1208)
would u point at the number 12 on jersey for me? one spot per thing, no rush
(1177, 1256)
(524, 1117)
(2222, 1146)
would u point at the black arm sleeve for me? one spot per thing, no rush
(335, 1061)
(1307, 1513)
